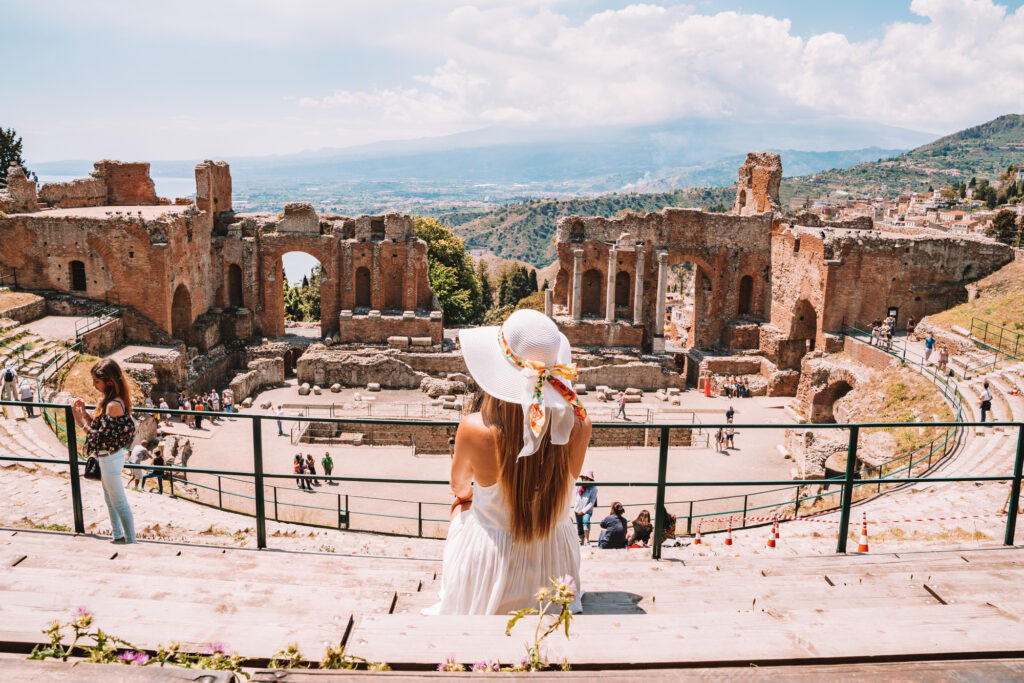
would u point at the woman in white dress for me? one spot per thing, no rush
(513, 470)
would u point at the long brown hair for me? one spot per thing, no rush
(114, 386)
(643, 519)
(537, 486)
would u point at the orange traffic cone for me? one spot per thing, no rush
(707, 385)
(771, 537)
(696, 539)
(776, 531)
(862, 547)
(728, 534)
(1015, 391)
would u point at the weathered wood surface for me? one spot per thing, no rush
(25, 671)
(754, 635)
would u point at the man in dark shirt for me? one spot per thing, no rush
(159, 474)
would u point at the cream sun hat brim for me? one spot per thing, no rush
(534, 336)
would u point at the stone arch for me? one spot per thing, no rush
(181, 314)
(823, 402)
(76, 276)
(235, 297)
(592, 296)
(364, 297)
(746, 295)
(970, 272)
(624, 293)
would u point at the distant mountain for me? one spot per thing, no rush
(983, 151)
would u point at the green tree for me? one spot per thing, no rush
(1004, 228)
(486, 291)
(990, 197)
(533, 279)
(451, 273)
(10, 153)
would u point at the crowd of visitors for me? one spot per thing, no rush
(306, 465)
(208, 401)
(736, 387)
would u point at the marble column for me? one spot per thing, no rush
(659, 318)
(638, 288)
(577, 284)
(609, 290)
(549, 302)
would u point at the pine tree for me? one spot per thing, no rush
(10, 153)
(533, 280)
(486, 291)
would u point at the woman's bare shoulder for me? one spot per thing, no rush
(474, 428)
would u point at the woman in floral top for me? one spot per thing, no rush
(110, 430)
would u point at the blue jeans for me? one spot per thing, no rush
(280, 430)
(159, 479)
(582, 522)
(227, 408)
(122, 524)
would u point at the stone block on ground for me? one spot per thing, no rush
(304, 389)
(580, 388)
(633, 391)
(633, 398)
(676, 401)
(247, 403)
(446, 398)
(420, 341)
(601, 396)
(266, 405)
(673, 391)
(460, 377)
(435, 387)
(452, 406)
(335, 388)
(317, 390)
(373, 386)
(398, 341)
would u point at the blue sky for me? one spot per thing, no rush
(246, 77)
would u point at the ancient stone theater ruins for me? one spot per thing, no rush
(207, 283)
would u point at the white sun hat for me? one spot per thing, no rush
(529, 362)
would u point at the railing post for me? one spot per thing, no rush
(348, 514)
(847, 501)
(220, 498)
(277, 518)
(659, 511)
(796, 502)
(744, 522)
(1014, 500)
(76, 484)
(689, 519)
(257, 468)
(339, 509)
(419, 520)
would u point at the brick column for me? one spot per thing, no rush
(638, 288)
(609, 290)
(548, 302)
(577, 284)
(376, 292)
(659, 316)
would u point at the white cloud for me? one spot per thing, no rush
(962, 65)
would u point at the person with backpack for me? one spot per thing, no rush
(26, 392)
(9, 385)
(328, 464)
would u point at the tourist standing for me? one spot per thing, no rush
(910, 325)
(328, 464)
(986, 401)
(109, 431)
(229, 401)
(943, 358)
(158, 461)
(165, 416)
(279, 412)
(181, 405)
(719, 439)
(25, 389)
(197, 405)
(188, 419)
(9, 384)
(729, 414)
(613, 534)
(299, 465)
(586, 499)
(929, 344)
(215, 401)
(311, 469)
(729, 432)
(622, 407)
(138, 456)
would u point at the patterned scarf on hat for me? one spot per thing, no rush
(549, 374)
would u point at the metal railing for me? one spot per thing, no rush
(8, 277)
(1009, 342)
(96, 318)
(848, 482)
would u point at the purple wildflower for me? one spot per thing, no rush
(216, 649)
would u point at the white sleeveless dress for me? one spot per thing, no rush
(486, 572)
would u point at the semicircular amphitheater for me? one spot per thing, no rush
(821, 473)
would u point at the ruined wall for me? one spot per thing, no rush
(757, 188)
(111, 183)
(724, 250)
(261, 373)
(20, 193)
(325, 367)
(850, 276)
(104, 339)
(213, 186)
